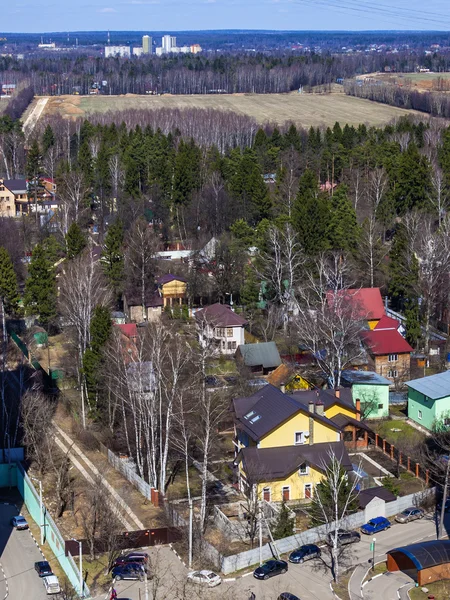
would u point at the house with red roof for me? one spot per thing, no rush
(219, 326)
(366, 304)
(389, 353)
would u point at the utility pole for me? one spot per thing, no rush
(260, 533)
(372, 547)
(444, 499)
(80, 567)
(145, 587)
(191, 515)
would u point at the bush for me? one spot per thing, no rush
(284, 526)
(391, 484)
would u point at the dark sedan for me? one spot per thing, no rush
(128, 571)
(304, 553)
(138, 558)
(270, 569)
(42, 568)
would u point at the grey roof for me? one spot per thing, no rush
(365, 496)
(365, 377)
(265, 354)
(426, 554)
(16, 185)
(263, 464)
(434, 386)
(266, 409)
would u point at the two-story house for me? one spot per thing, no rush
(282, 446)
(389, 354)
(429, 400)
(172, 289)
(13, 197)
(371, 389)
(219, 326)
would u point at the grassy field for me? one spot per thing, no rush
(304, 109)
(440, 590)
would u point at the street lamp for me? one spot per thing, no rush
(372, 547)
(80, 548)
(41, 509)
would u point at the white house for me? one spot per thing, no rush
(220, 326)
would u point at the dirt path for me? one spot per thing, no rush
(32, 119)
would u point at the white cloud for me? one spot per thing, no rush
(107, 10)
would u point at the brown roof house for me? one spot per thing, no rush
(137, 311)
(219, 326)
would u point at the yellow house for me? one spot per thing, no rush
(282, 443)
(172, 289)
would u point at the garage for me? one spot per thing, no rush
(426, 561)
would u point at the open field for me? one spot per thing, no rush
(419, 81)
(303, 109)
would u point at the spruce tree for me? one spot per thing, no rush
(112, 256)
(310, 215)
(34, 170)
(249, 292)
(413, 328)
(9, 294)
(284, 526)
(323, 507)
(343, 229)
(403, 270)
(100, 330)
(75, 241)
(48, 139)
(40, 287)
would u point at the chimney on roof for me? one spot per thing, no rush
(283, 388)
(337, 393)
(319, 408)
(311, 407)
(358, 409)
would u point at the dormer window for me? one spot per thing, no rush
(303, 469)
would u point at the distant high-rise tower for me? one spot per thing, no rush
(146, 44)
(109, 38)
(168, 42)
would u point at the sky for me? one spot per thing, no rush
(36, 16)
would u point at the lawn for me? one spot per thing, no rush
(440, 590)
(396, 432)
(304, 109)
(341, 587)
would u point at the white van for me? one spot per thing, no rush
(51, 584)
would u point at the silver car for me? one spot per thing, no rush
(409, 514)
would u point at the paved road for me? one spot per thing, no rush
(308, 581)
(18, 553)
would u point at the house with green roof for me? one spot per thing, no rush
(429, 400)
(371, 389)
(259, 358)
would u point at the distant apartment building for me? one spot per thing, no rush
(169, 46)
(138, 51)
(146, 44)
(168, 43)
(122, 51)
(196, 48)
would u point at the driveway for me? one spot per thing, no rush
(386, 586)
(18, 555)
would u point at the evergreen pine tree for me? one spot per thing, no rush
(48, 139)
(413, 328)
(112, 256)
(75, 241)
(100, 330)
(9, 294)
(323, 508)
(343, 230)
(249, 292)
(284, 526)
(40, 287)
(310, 215)
(403, 270)
(34, 170)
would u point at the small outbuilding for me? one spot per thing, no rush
(259, 358)
(431, 560)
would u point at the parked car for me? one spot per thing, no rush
(409, 514)
(139, 558)
(271, 568)
(304, 553)
(344, 537)
(19, 522)
(51, 584)
(208, 578)
(287, 596)
(128, 571)
(42, 568)
(375, 525)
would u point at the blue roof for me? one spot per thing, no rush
(433, 386)
(364, 377)
(426, 554)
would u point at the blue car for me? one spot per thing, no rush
(375, 525)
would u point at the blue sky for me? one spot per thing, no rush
(172, 15)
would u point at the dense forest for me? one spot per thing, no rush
(278, 72)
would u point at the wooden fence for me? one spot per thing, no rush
(408, 463)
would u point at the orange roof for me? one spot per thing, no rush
(279, 375)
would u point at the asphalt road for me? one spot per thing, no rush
(308, 581)
(18, 553)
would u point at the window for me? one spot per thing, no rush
(266, 494)
(229, 345)
(233, 345)
(308, 490)
(380, 407)
(220, 332)
(299, 438)
(286, 493)
(230, 332)
(303, 469)
(419, 414)
(447, 422)
(393, 357)
(392, 373)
